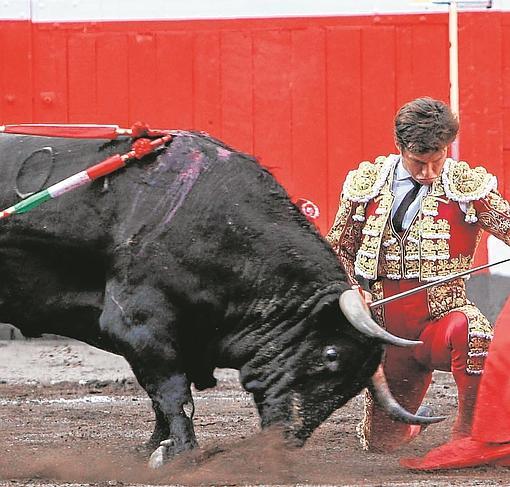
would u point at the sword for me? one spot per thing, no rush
(401, 295)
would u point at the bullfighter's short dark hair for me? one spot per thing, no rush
(425, 125)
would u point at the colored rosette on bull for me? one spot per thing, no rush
(308, 208)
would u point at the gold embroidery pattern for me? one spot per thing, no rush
(391, 255)
(432, 270)
(412, 251)
(463, 183)
(479, 335)
(431, 228)
(428, 249)
(496, 217)
(342, 215)
(347, 251)
(437, 188)
(363, 429)
(362, 180)
(429, 206)
(378, 312)
(443, 298)
(384, 202)
(471, 213)
(361, 186)
(498, 227)
(425, 248)
(343, 238)
(425, 251)
(435, 250)
(359, 215)
(368, 253)
(495, 201)
(365, 183)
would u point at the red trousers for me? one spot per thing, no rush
(489, 442)
(409, 370)
(492, 413)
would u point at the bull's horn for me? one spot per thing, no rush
(356, 311)
(382, 395)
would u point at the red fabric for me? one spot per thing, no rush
(73, 131)
(88, 131)
(409, 371)
(490, 439)
(464, 236)
(407, 379)
(492, 415)
(459, 454)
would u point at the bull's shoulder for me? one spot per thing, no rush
(464, 183)
(365, 182)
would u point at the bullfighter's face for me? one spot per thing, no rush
(424, 168)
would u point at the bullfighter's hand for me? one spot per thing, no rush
(365, 295)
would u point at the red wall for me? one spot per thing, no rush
(309, 97)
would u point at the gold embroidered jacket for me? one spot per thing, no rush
(440, 241)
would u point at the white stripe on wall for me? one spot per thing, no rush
(15, 9)
(119, 10)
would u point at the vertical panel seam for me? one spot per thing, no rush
(327, 121)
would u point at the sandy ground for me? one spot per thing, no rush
(72, 415)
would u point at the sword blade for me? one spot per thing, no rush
(404, 294)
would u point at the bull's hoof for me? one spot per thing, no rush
(149, 446)
(158, 457)
(167, 449)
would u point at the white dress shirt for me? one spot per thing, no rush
(402, 184)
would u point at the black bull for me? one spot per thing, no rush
(190, 259)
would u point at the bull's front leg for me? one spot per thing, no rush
(161, 430)
(174, 400)
(141, 323)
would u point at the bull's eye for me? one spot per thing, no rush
(331, 354)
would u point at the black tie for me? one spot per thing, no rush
(398, 217)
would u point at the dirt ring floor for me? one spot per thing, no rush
(72, 415)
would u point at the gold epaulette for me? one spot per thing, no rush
(365, 183)
(464, 184)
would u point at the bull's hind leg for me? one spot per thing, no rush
(141, 323)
